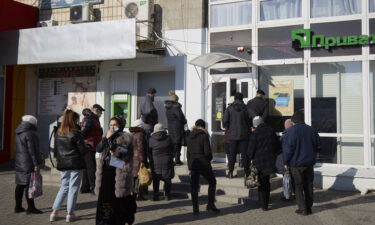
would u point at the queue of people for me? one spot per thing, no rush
(113, 178)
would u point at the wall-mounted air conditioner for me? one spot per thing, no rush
(47, 23)
(81, 13)
(142, 11)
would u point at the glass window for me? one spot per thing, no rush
(372, 31)
(371, 5)
(284, 87)
(280, 9)
(341, 150)
(231, 14)
(228, 42)
(326, 8)
(337, 29)
(276, 43)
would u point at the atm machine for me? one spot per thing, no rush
(121, 105)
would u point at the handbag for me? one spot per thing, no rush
(36, 185)
(144, 176)
(252, 181)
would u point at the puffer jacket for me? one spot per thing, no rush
(70, 151)
(139, 144)
(27, 152)
(237, 121)
(199, 154)
(124, 176)
(162, 154)
(176, 121)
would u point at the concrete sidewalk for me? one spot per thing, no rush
(331, 207)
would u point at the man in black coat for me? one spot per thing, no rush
(149, 114)
(300, 146)
(237, 122)
(28, 160)
(258, 106)
(176, 123)
(264, 146)
(199, 156)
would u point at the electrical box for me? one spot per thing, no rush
(121, 105)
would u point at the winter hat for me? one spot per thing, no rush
(138, 123)
(158, 127)
(30, 119)
(257, 121)
(200, 123)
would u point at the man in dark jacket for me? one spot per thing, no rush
(199, 156)
(258, 106)
(28, 160)
(264, 147)
(237, 122)
(300, 145)
(92, 132)
(149, 114)
(176, 123)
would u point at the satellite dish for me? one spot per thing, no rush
(131, 10)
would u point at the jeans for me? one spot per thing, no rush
(70, 181)
(303, 180)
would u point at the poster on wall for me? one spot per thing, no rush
(74, 88)
(281, 94)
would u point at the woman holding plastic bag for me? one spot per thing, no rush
(28, 162)
(114, 177)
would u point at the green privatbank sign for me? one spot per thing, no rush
(306, 39)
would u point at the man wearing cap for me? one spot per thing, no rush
(258, 106)
(236, 121)
(264, 147)
(92, 133)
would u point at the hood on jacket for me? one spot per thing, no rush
(169, 104)
(136, 129)
(24, 127)
(198, 131)
(239, 105)
(160, 135)
(87, 112)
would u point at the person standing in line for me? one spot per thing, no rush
(161, 147)
(114, 176)
(258, 106)
(28, 160)
(139, 156)
(264, 146)
(199, 157)
(237, 122)
(92, 132)
(70, 151)
(300, 146)
(176, 123)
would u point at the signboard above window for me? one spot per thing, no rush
(54, 4)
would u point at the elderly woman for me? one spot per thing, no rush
(114, 177)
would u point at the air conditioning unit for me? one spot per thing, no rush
(81, 13)
(48, 23)
(142, 11)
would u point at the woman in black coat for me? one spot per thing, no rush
(176, 123)
(162, 164)
(28, 160)
(264, 146)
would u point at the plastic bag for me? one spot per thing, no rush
(252, 181)
(144, 176)
(287, 185)
(36, 185)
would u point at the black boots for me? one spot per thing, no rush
(230, 175)
(212, 208)
(19, 209)
(33, 211)
(194, 199)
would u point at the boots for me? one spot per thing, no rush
(212, 208)
(194, 198)
(230, 175)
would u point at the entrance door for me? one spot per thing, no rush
(221, 91)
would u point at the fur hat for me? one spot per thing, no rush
(158, 127)
(257, 121)
(30, 119)
(138, 123)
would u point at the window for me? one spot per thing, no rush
(231, 14)
(372, 31)
(371, 5)
(372, 98)
(284, 87)
(337, 29)
(228, 42)
(280, 9)
(337, 108)
(275, 43)
(326, 8)
(2, 105)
